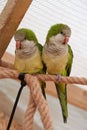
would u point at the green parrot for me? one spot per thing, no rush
(57, 55)
(28, 54)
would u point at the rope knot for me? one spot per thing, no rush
(21, 78)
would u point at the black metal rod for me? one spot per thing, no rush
(14, 107)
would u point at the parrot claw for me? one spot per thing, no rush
(59, 77)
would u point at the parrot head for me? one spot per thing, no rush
(59, 33)
(23, 37)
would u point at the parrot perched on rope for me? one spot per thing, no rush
(28, 54)
(57, 55)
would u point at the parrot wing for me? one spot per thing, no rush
(70, 60)
(43, 84)
(61, 88)
(40, 47)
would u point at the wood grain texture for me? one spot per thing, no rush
(76, 95)
(10, 18)
(7, 106)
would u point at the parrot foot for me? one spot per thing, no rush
(59, 77)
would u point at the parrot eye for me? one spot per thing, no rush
(25, 38)
(62, 33)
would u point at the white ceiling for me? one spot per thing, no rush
(44, 13)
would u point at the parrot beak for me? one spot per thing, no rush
(18, 44)
(66, 39)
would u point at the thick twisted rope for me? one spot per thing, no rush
(10, 73)
(62, 79)
(40, 102)
(29, 115)
(36, 97)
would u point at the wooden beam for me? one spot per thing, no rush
(76, 96)
(10, 18)
(7, 105)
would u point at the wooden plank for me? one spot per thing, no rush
(10, 18)
(76, 95)
(7, 106)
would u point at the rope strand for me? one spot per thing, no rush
(39, 100)
(29, 115)
(9, 73)
(36, 98)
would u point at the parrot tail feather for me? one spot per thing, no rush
(63, 102)
(43, 86)
(64, 119)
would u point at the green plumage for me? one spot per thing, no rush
(58, 56)
(70, 60)
(31, 62)
(54, 30)
(61, 88)
(26, 34)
